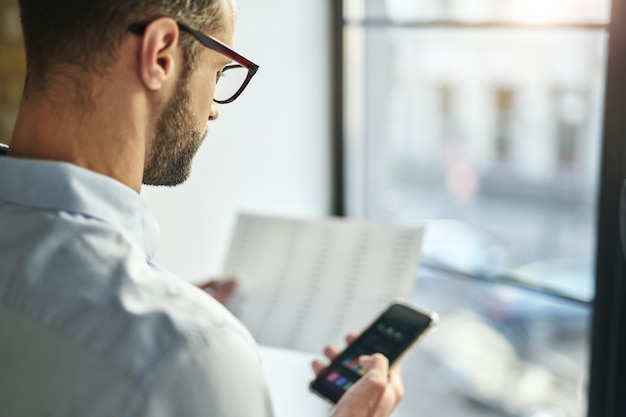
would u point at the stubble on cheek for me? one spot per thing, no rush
(177, 140)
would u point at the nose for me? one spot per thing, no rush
(214, 113)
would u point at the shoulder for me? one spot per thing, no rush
(92, 285)
(217, 373)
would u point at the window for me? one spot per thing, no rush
(486, 120)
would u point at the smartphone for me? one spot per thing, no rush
(392, 333)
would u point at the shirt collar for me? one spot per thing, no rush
(62, 186)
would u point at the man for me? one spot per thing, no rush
(118, 94)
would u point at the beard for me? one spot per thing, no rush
(176, 141)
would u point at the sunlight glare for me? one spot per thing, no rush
(544, 11)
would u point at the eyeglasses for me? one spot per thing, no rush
(233, 78)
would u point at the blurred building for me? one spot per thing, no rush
(468, 115)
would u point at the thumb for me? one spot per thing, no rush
(377, 363)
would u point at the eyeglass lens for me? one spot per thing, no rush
(230, 81)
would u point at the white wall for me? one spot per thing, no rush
(269, 150)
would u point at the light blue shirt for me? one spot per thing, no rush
(90, 326)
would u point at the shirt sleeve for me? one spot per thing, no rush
(218, 374)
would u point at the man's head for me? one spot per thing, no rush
(75, 42)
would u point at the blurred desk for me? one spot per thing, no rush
(289, 373)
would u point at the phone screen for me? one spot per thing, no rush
(391, 334)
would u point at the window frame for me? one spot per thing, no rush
(607, 365)
(607, 376)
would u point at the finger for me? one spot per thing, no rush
(351, 337)
(217, 283)
(373, 386)
(221, 290)
(395, 372)
(318, 367)
(377, 365)
(224, 291)
(206, 285)
(395, 382)
(331, 352)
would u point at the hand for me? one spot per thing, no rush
(220, 289)
(376, 394)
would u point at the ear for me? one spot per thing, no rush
(158, 56)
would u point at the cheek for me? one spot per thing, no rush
(202, 98)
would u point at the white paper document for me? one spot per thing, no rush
(306, 283)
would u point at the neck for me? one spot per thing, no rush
(104, 137)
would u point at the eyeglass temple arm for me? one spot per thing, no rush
(218, 46)
(140, 28)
